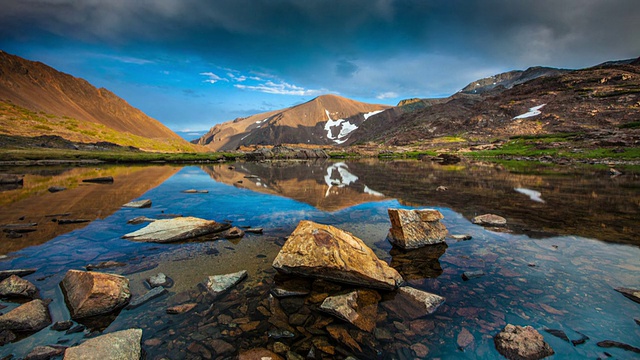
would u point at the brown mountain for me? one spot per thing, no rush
(536, 101)
(325, 120)
(34, 92)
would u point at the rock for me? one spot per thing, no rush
(62, 325)
(637, 321)
(194, 191)
(11, 179)
(181, 309)
(418, 264)
(281, 292)
(233, 233)
(633, 294)
(76, 329)
(14, 286)
(462, 237)
(139, 204)
(121, 345)
(359, 308)
(421, 350)
(324, 251)
(44, 352)
(28, 317)
(218, 284)
(254, 230)
(611, 343)
(412, 303)
(54, 189)
(559, 334)
(160, 279)
(442, 188)
(521, 343)
(176, 229)
(412, 229)
(468, 275)
(340, 334)
(17, 272)
(280, 348)
(139, 220)
(489, 220)
(6, 336)
(221, 347)
(104, 265)
(465, 338)
(149, 295)
(72, 221)
(102, 180)
(91, 293)
(259, 354)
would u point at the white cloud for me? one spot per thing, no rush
(280, 88)
(212, 78)
(387, 95)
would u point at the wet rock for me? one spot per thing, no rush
(104, 265)
(359, 308)
(465, 339)
(76, 329)
(44, 352)
(410, 303)
(139, 204)
(62, 325)
(89, 293)
(55, 189)
(521, 343)
(327, 252)
(421, 350)
(282, 293)
(468, 275)
(123, 345)
(149, 295)
(218, 284)
(28, 317)
(489, 220)
(160, 279)
(254, 230)
(6, 336)
(72, 221)
(139, 220)
(176, 229)
(233, 233)
(418, 264)
(16, 287)
(611, 343)
(340, 334)
(220, 347)
(280, 334)
(181, 309)
(462, 237)
(383, 334)
(637, 321)
(558, 333)
(259, 354)
(633, 294)
(100, 180)
(280, 348)
(194, 191)
(412, 229)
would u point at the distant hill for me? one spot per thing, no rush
(531, 102)
(325, 120)
(36, 99)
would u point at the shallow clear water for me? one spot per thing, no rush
(555, 266)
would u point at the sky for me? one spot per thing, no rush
(194, 63)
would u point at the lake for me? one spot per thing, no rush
(572, 237)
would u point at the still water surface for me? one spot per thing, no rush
(572, 238)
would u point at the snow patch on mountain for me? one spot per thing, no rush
(346, 128)
(532, 112)
(370, 114)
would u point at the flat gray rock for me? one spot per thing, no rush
(121, 345)
(217, 284)
(138, 204)
(176, 229)
(489, 220)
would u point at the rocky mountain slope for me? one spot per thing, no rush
(36, 99)
(604, 97)
(325, 120)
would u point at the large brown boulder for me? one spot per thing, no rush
(122, 345)
(15, 286)
(28, 317)
(176, 229)
(412, 229)
(521, 343)
(90, 293)
(324, 251)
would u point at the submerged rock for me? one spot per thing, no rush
(410, 303)
(259, 354)
(18, 272)
(521, 343)
(28, 317)
(139, 220)
(139, 204)
(176, 229)
(633, 294)
(359, 308)
(15, 286)
(233, 233)
(412, 229)
(218, 284)
(91, 293)
(149, 295)
(121, 345)
(489, 220)
(323, 251)
(468, 275)
(181, 309)
(160, 279)
(611, 343)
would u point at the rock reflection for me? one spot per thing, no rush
(419, 263)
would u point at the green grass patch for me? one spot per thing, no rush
(114, 156)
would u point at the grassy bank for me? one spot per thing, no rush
(111, 156)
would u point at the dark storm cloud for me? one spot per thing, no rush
(306, 40)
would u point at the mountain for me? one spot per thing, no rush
(532, 102)
(325, 120)
(36, 99)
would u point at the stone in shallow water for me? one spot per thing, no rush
(91, 293)
(489, 220)
(176, 229)
(149, 295)
(359, 308)
(521, 343)
(633, 294)
(324, 251)
(122, 345)
(217, 284)
(139, 204)
(160, 279)
(410, 303)
(28, 317)
(468, 275)
(181, 309)
(14, 286)
(258, 354)
(18, 272)
(412, 229)
(44, 352)
(139, 220)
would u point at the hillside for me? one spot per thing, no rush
(325, 120)
(36, 99)
(601, 98)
